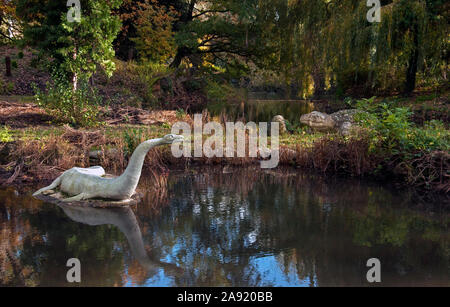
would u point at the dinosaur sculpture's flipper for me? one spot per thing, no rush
(54, 185)
(79, 197)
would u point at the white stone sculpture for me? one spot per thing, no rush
(88, 183)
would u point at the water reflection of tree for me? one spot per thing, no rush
(48, 239)
(325, 231)
(216, 225)
(12, 272)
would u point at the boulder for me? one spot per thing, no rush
(96, 154)
(280, 119)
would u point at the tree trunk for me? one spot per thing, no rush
(74, 82)
(75, 75)
(182, 52)
(294, 89)
(130, 53)
(8, 66)
(411, 71)
(319, 82)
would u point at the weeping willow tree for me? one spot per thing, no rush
(275, 19)
(388, 55)
(303, 36)
(330, 45)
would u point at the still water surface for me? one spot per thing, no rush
(231, 227)
(262, 110)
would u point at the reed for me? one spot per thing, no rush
(37, 160)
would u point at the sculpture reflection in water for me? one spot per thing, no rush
(125, 220)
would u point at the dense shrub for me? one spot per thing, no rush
(77, 108)
(6, 87)
(418, 153)
(392, 132)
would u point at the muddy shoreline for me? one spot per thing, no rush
(41, 151)
(286, 168)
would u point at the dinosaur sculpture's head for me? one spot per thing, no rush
(318, 121)
(172, 138)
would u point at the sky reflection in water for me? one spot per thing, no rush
(244, 228)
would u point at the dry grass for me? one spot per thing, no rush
(430, 170)
(43, 159)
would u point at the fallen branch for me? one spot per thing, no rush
(17, 171)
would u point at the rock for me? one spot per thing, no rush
(345, 121)
(96, 154)
(346, 128)
(264, 152)
(280, 119)
(342, 121)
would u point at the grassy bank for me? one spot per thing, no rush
(396, 150)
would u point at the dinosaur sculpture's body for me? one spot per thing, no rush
(88, 183)
(341, 121)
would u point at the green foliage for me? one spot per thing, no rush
(217, 92)
(73, 47)
(155, 40)
(78, 108)
(433, 136)
(392, 133)
(5, 135)
(331, 44)
(213, 32)
(6, 87)
(136, 82)
(180, 113)
(148, 74)
(289, 126)
(88, 43)
(132, 140)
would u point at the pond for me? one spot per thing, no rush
(262, 110)
(231, 227)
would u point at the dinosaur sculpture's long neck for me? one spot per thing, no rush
(126, 221)
(129, 180)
